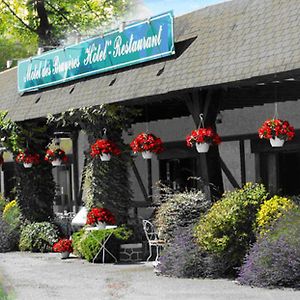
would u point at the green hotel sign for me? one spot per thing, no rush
(137, 43)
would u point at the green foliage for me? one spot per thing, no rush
(38, 237)
(180, 209)
(105, 184)
(9, 237)
(3, 202)
(26, 24)
(271, 210)
(228, 225)
(87, 244)
(12, 214)
(274, 260)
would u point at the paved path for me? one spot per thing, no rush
(45, 276)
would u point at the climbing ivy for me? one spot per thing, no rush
(105, 184)
(35, 188)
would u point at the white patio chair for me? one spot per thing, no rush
(152, 238)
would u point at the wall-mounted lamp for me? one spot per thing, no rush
(40, 50)
(9, 63)
(122, 26)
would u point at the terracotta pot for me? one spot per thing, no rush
(56, 162)
(105, 156)
(202, 147)
(147, 154)
(276, 142)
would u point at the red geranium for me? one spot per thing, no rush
(203, 135)
(147, 142)
(27, 157)
(63, 245)
(276, 128)
(57, 153)
(100, 214)
(104, 146)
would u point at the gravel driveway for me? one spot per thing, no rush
(36, 276)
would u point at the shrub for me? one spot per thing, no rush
(87, 244)
(271, 210)
(38, 237)
(182, 257)
(274, 260)
(3, 202)
(227, 228)
(12, 214)
(8, 237)
(180, 209)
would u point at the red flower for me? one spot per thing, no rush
(276, 128)
(1, 160)
(147, 142)
(57, 153)
(104, 146)
(63, 245)
(99, 214)
(203, 135)
(27, 157)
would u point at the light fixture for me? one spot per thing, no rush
(275, 81)
(122, 26)
(40, 50)
(9, 63)
(260, 83)
(290, 79)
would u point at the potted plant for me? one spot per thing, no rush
(277, 131)
(100, 216)
(56, 156)
(63, 246)
(27, 158)
(203, 138)
(147, 144)
(104, 148)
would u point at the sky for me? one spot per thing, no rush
(147, 8)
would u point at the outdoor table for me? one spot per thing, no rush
(102, 243)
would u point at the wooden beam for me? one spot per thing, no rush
(228, 174)
(273, 173)
(149, 168)
(139, 179)
(242, 161)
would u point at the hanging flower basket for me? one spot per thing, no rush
(203, 138)
(147, 144)
(99, 215)
(27, 158)
(63, 246)
(104, 148)
(56, 156)
(277, 131)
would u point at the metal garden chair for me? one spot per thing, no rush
(152, 238)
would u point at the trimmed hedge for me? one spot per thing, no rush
(227, 228)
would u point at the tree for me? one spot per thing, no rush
(49, 23)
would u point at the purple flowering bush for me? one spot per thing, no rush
(274, 260)
(182, 257)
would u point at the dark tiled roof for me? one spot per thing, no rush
(236, 40)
